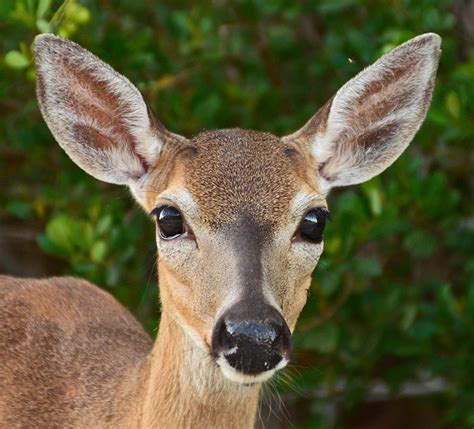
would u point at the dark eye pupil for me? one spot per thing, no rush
(170, 222)
(312, 226)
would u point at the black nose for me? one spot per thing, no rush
(250, 343)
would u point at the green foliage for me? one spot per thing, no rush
(394, 292)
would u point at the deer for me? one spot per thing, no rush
(240, 218)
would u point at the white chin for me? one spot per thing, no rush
(239, 377)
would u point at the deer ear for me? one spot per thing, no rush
(371, 120)
(97, 116)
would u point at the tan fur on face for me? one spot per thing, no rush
(241, 169)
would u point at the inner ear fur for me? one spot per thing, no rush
(371, 120)
(97, 115)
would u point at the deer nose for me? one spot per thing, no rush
(252, 345)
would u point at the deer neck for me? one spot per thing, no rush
(185, 388)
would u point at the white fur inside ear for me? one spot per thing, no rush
(373, 117)
(98, 117)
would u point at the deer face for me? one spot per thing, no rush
(240, 214)
(239, 231)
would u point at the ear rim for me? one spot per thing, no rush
(427, 46)
(150, 136)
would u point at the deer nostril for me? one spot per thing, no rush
(225, 339)
(258, 333)
(252, 345)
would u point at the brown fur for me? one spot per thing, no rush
(255, 170)
(69, 352)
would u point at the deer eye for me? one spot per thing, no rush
(312, 225)
(170, 222)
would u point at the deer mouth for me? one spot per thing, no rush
(235, 375)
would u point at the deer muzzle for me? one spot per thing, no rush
(251, 340)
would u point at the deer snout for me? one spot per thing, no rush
(248, 345)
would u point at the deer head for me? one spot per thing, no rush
(240, 214)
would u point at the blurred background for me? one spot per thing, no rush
(387, 337)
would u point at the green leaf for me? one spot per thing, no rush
(16, 60)
(19, 208)
(408, 317)
(372, 191)
(43, 25)
(83, 235)
(45, 243)
(103, 225)
(98, 251)
(60, 232)
(453, 105)
(446, 298)
(43, 8)
(78, 14)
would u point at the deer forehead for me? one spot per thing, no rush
(235, 174)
